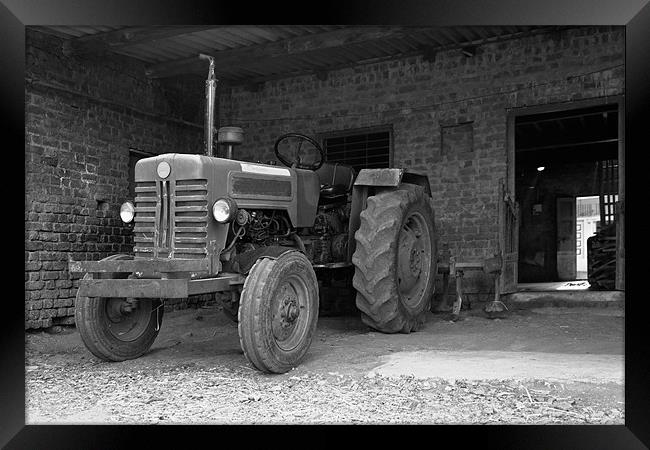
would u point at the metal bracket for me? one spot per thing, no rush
(158, 314)
(452, 268)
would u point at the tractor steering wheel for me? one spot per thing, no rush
(296, 162)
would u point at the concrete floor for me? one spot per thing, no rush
(526, 298)
(570, 344)
(554, 286)
(482, 365)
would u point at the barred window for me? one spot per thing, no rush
(362, 150)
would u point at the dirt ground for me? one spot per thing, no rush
(539, 366)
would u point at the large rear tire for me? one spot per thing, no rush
(114, 329)
(395, 260)
(278, 312)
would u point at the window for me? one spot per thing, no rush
(361, 149)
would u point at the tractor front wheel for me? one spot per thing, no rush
(395, 260)
(117, 329)
(278, 312)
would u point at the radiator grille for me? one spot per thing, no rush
(171, 219)
(191, 219)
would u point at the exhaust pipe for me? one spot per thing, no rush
(210, 88)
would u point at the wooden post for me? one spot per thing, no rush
(620, 210)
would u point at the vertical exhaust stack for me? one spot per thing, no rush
(210, 88)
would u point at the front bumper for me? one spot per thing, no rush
(157, 288)
(148, 278)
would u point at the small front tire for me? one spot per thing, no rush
(278, 312)
(114, 329)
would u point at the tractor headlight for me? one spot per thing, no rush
(127, 211)
(163, 169)
(224, 210)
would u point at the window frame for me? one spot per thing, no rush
(387, 128)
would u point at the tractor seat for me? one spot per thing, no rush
(335, 179)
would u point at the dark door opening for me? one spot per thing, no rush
(563, 158)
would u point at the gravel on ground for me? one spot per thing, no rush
(66, 385)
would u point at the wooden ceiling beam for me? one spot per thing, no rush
(261, 53)
(320, 72)
(125, 37)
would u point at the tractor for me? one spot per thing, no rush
(204, 224)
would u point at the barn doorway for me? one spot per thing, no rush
(566, 184)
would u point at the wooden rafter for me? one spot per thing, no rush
(275, 51)
(230, 64)
(320, 71)
(125, 37)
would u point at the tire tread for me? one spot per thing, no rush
(375, 256)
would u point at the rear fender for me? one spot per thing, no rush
(391, 178)
(370, 180)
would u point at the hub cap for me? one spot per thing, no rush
(127, 320)
(413, 259)
(289, 313)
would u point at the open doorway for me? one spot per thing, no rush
(566, 185)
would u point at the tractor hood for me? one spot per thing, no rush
(251, 186)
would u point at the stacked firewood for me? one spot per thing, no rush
(601, 258)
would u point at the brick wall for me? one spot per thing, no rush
(427, 101)
(82, 114)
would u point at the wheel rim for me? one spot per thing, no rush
(290, 313)
(124, 324)
(413, 259)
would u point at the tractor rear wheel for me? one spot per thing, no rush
(395, 260)
(117, 329)
(278, 312)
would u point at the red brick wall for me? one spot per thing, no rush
(81, 116)
(419, 97)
